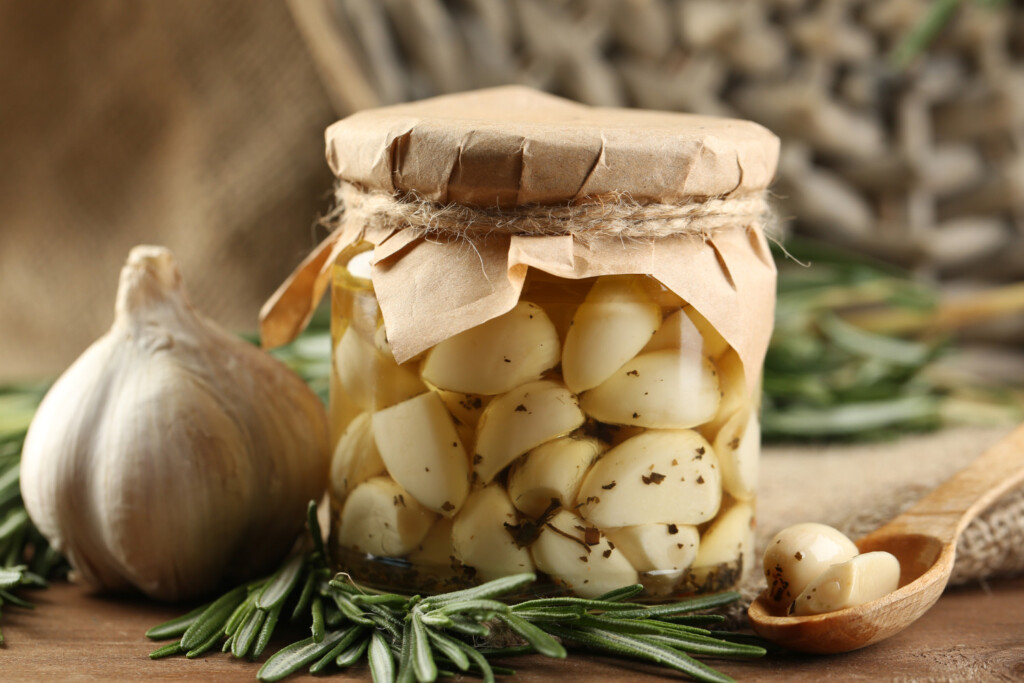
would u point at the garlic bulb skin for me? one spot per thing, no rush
(172, 454)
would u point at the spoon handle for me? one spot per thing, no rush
(945, 511)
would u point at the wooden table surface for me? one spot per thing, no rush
(972, 634)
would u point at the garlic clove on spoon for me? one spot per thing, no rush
(171, 453)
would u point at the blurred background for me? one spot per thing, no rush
(198, 125)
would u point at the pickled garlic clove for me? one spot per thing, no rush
(732, 382)
(422, 451)
(660, 552)
(466, 409)
(381, 518)
(380, 340)
(667, 477)
(729, 539)
(738, 446)
(520, 420)
(799, 554)
(662, 389)
(577, 555)
(496, 356)
(552, 470)
(480, 539)
(612, 324)
(714, 344)
(859, 580)
(356, 457)
(435, 552)
(368, 378)
(677, 331)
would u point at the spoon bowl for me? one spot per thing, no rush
(923, 539)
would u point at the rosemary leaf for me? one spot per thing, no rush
(353, 654)
(278, 588)
(245, 637)
(568, 613)
(349, 609)
(703, 645)
(540, 641)
(478, 661)
(384, 619)
(382, 664)
(175, 628)
(450, 649)
(166, 651)
(291, 658)
(305, 596)
(266, 631)
(675, 608)
(620, 594)
(239, 617)
(10, 576)
(313, 526)
(350, 636)
(211, 621)
(485, 608)
(6, 597)
(491, 589)
(638, 647)
(422, 659)
(584, 603)
(203, 647)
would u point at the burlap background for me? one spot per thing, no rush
(197, 125)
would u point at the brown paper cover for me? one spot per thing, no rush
(511, 146)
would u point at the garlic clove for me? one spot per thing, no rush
(356, 457)
(677, 332)
(613, 323)
(520, 420)
(729, 539)
(663, 389)
(553, 470)
(857, 581)
(578, 556)
(422, 452)
(368, 378)
(734, 396)
(666, 477)
(465, 410)
(660, 552)
(380, 340)
(797, 555)
(714, 344)
(169, 423)
(480, 539)
(435, 552)
(381, 518)
(496, 356)
(738, 446)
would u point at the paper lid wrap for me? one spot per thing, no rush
(496, 151)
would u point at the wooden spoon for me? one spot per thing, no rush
(924, 540)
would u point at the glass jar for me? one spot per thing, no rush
(600, 433)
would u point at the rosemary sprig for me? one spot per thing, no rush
(405, 638)
(838, 368)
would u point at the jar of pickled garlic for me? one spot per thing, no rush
(548, 324)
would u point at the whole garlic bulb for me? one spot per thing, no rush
(172, 454)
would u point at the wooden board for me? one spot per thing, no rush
(972, 634)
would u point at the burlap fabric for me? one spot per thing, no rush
(196, 125)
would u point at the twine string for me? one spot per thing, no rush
(615, 215)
